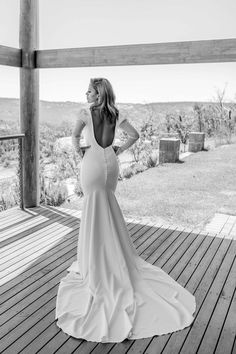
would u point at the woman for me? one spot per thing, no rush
(110, 292)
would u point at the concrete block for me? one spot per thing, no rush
(196, 141)
(169, 150)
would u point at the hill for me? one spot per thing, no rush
(55, 113)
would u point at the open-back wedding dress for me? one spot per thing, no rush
(110, 292)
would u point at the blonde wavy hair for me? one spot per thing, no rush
(106, 103)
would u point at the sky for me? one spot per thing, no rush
(84, 23)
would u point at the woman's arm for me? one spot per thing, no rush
(133, 135)
(76, 136)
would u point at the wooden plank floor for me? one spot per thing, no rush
(38, 245)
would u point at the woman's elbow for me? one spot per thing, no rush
(75, 135)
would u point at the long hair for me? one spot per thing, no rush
(106, 104)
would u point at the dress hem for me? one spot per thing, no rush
(132, 336)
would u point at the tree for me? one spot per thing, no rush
(198, 110)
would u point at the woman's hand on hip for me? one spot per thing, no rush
(84, 148)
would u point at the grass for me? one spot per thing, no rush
(187, 194)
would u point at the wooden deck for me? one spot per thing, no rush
(38, 244)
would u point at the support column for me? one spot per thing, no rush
(29, 100)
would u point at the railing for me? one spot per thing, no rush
(20, 161)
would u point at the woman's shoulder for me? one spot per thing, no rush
(83, 114)
(121, 118)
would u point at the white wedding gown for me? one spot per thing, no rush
(110, 292)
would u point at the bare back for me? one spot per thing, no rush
(103, 129)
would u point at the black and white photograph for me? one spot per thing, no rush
(117, 177)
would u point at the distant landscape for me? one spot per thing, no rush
(56, 113)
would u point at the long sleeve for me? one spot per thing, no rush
(133, 135)
(76, 135)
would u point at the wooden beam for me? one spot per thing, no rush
(10, 56)
(29, 101)
(13, 136)
(206, 51)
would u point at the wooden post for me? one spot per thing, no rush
(196, 141)
(169, 150)
(29, 100)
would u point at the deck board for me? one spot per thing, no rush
(39, 244)
(197, 332)
(198, 284)
(228, 333)
(218, 317)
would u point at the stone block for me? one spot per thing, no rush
(169, 150)
(196, 141)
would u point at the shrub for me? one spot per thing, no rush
(6, 163)
(152, 160)
(137, 168)
(199, 111)
(137, 149)
(127, 172)
(148, 137)
(9, 194)
(53, 193)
